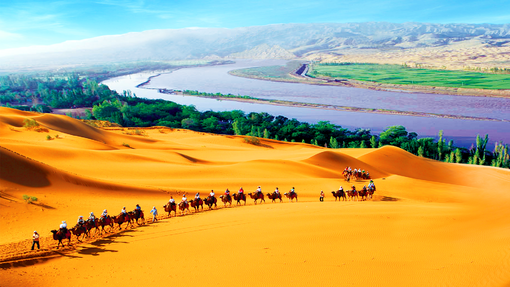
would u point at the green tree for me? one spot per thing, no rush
(333, 143)
(373, 142)
(237, 128)
(266, 134)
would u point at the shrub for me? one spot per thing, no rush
(252, 140)
(126, 145)
(30, 124)
(48, 137)
(29, 199)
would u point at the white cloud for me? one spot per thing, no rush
(6, 37)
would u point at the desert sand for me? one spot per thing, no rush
(429, 224)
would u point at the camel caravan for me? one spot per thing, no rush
(106, 223)
(355, 174)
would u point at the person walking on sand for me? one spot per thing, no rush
(154, 212)
(35, 240)
(322, 196)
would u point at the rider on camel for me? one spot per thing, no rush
(138, 209)
(184, 199)
(197, 196)
(92, 217)
(104, 215)
(353, 188)
(259, 191)
(212, 193)
(276, 191)
(241, 191)
(171, 201)
(81, 223)
(63, 227)
(227, 194)
(123, 213)
(341, 188)
(292, 191)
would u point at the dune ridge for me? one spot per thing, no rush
(430, 223)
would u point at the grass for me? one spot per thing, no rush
(401, 75)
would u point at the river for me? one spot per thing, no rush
(216, 79)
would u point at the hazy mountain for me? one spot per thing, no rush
(260, 41)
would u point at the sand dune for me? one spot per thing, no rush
(429, 224)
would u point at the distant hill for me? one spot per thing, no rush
(279, 41)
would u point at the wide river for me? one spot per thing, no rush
(216, 79)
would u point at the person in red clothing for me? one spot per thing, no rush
(35, 241)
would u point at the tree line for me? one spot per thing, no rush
(72, 90)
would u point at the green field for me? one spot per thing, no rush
(401, 75)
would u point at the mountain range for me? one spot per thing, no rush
(271, 41)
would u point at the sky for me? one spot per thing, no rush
(43, 22)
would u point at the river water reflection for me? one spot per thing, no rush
(216, 79)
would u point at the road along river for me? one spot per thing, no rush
(216, 79)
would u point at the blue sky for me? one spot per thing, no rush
(44, 22)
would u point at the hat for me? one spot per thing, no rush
(81, 216)
(124, 207)
(35, 231)
(104, 210)
(154, 207)
(63, 222)
(92, 213)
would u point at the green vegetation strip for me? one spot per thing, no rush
(404, 75)
(240, 98)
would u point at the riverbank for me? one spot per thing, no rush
(254, 100)
(295, 77)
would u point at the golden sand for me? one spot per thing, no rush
(429, 224)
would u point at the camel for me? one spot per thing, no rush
(240, 196)
(210, 200)
(257, 196)
(59, 235)
(274, 196)
(169, 207)
(183, 206)
(291, 196)
(197, 203)
(89, 224)
(135, 215)
(104, 222)
(121, 218)
(370, 192)
(78, 230)
(340, 194)
(226, 199)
